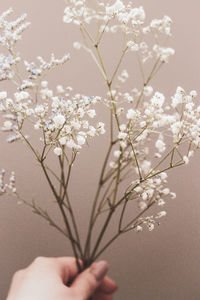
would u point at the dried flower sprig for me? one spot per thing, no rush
(147, 134)
(7, 187)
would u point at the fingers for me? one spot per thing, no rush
(88, 281)
(60, 268)
(108, 286)
(68, 268)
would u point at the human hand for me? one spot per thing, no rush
(47, 278)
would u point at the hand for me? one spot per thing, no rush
(47, 278)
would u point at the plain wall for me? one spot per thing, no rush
(159, 265)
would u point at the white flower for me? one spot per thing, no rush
(7, 125)
(117, 153)
(80, 140)
(163, 53)
(59, 120)
(186, 159)
(144, 196)
(21, 96)
(163, 175)
(131, 114)
(92, 131)
(139, 228)
(193, 94)
(122, 127)
(138, 189)
(101, 127)
(166, 191)
(151, 226)
(160, 145)
(122, 135)
(44, 84)
(142, 205)
(148, 90)
(60, 89)
(146, 166)
(161, 202)
(57, 151)
(115, 8)
(161, 214)
(71, 144)
(39, 109)
(158, 100)
(143, 123)
(63, 140)
(91, 113)
(132, 45)
(137, 15)
(77, 45)
(3, 95)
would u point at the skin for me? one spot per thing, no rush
(47, 278)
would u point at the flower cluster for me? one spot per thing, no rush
(63, 119)
(148, 134)
(5, 187)
(130, 20)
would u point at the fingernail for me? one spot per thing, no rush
(99, 269)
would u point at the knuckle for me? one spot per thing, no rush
(19, 273)
(39, 259)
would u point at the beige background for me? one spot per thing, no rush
(159, 265)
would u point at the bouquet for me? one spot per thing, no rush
(147, 134)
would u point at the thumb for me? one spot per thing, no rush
(88, 281)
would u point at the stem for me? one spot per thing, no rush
(102, 232)
(91, 222)
(118, 65)
(74, 243)
(118, 234)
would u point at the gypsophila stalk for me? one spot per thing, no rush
(147, 134)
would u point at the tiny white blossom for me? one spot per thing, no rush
(132, 46)
(7, 125)
(139, 228)
(160, 145)
(44, 84)
(161, 202)
(122, 127)
(122, 135)
(186, 159)
(163, 175)
(58, 151)
(60, 89)
(142, 205)
(3, 95)
(59, 120)
(81, 140)
(63, 140)
(151, 226)
(77, 45)
(148, 90)
(71, 144)
(161, 214)
(166, 191)
(131, 114)
(117, 153)
(91, 113)
(115, 8)
(173, 195)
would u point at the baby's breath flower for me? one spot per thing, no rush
(59, 120)
(57, 151)
(160, 145)
(115, 8)
(3, 95)
(161, 214)
(139, 228)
